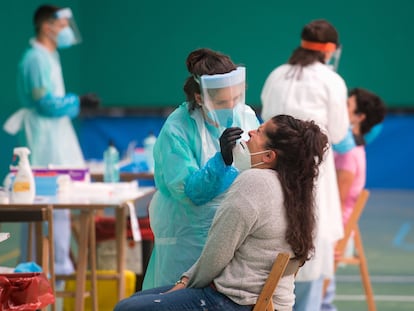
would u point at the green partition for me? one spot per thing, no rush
(133, 51)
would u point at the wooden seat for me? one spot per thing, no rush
(283, 265)
(358, 257)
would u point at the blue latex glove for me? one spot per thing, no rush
(28, 267)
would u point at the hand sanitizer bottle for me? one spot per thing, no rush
(23, 188)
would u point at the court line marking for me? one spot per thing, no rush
(377, 278)
(399, 239)
(10, 255)
(384, 298)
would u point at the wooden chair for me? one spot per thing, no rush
(358, 258)
(282, 266)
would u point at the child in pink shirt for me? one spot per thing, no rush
(365, 110)
(352, 163)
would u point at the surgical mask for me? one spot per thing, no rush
(242, 157)
(224, 117)
(65, 38)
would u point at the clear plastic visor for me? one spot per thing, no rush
(223, 98)
(333, 61)
(66, 19)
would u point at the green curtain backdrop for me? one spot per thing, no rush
(133, 51)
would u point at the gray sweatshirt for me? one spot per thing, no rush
(247, 233)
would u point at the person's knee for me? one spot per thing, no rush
(122, 305)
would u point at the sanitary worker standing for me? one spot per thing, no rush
(45, 118)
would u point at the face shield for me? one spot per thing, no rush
(333, 61)
(68, 33)
(328, 47)
(223, 98)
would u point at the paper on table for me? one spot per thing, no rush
(136, 233)
(4, 236)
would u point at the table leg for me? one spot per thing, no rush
(51, 247)
(82, 261)
(92, 254)
(120, 244)
(39, 243)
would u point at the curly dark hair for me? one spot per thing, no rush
(204, 62)
(371, 105)
(316, 31)
(300, 147)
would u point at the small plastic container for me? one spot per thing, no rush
(111, 164)
(149, 143)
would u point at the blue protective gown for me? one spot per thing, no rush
(48, 109)
(46, 121)
(191, 177)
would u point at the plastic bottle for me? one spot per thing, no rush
(111, 164)
(23, 188)
(149, 143)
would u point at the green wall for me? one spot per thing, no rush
(134, 51)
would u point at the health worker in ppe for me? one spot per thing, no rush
(193, 157)
(308, 88)
(45, 118)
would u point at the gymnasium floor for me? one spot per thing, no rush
(387, 227)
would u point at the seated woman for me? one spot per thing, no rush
(268, 209)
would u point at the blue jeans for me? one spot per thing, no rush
(187, 299)
(308, 295)
(327, 301)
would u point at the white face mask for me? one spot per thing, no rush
(242, 157)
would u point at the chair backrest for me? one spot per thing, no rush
(352, 223)
(282, 266)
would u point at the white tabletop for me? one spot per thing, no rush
(95, 195)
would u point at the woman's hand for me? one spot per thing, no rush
(180, 284)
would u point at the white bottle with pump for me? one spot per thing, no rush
(23, 188)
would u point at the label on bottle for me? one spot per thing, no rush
(21, 186)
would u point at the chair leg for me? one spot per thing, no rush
(39, 244)
(363, 267)
(45, 255)
(30, 242)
